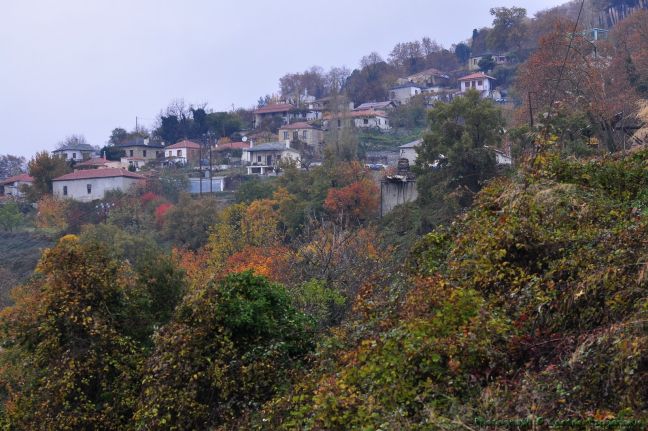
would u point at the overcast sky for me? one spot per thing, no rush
(88, 66)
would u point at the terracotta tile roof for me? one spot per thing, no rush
(274, 108)
(299, 125)
(479, 75)
(183, 144)
(97, 161)
(25, 178)
(99, 173)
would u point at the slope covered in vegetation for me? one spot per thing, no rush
(533, 304)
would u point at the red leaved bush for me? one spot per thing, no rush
(357, 201)
(161, 211)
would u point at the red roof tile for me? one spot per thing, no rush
(25, 178)
(276, 107)
(99, 173)
(479, 75)
(183, 144)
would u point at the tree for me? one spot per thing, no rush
(509, 28)
(73, 140)
(44, 167)
(118, 136)
(231, 344)
(486, 63)
(77, 366)
(462, 52)
(355, 203)
(11, 165)
(187, 224)
(10, 216)
(52, 213)
(454, 154)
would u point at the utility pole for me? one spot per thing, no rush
(530, 109)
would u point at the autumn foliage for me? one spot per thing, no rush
(358, 201)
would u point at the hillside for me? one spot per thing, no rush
(533, 304)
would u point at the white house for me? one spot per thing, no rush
(91, 184)
(408, 151)
(11, 186)
(75, 152)
(264, 158)
(362, 119)
(478, 81)
(184, 152)
(402, 93)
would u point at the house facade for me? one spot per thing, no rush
(362, 119)
(141, 149)
(75, 152)
(281, 110)
(92, 184)
(185, 152)
(426, 78)
(478, 81)
(265, 158)
(408, 151)
(12, 186)
(401, 94)
(304, 132)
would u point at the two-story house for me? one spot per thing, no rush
(185, 152)
(75, 152)
(304, 132)
(478, 81)
(265, 158)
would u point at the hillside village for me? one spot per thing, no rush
(443, 238)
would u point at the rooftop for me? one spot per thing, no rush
(270, 146)
(478, 75)
(274, 108)
(374, 105)
(75, 147)
(25, 178)
(358, 114)
(299, 125)
(412, 144)
(183, 144)
(99, 173)
(97, 161)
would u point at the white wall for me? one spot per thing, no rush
(77, 189)
(409, 154)
(379, 122)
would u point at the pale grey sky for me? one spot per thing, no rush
(88, 66)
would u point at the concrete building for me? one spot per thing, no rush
(401, 94)
(304, 132)
(92, 184)
(265, 158)
(478, 81)
(140, 149)
(75, 152)
(408, 151)
(361, 119)
(185, 152)
(12, 186)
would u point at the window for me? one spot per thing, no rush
(285, 135)
(480, 83)
(74, 156)
(258, 159)
(143, 153)
(64, 190)
(304, 134)
(296, 135)
(365, 121)
(339, 123)
(89, 187)
(179, 153)
(130, 152)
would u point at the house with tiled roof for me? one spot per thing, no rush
(141, 148)
(266, 158)
(75, 152)
(91, 184)
(12, 186)
(427, 78)
(499, 59)
(380, 106)
(184, 152)
(402, 93)
(302, 132)
(478, 81)
(366, 119)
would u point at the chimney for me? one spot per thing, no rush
(146, 141)
(251, 143)
(287, 143)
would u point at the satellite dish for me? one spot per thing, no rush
(244, 139)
